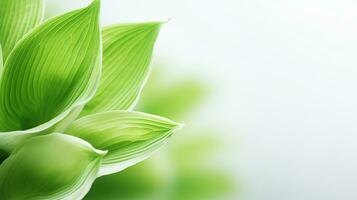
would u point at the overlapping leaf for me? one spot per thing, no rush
(127, 51)
(54, 166)
(17, 17)
(49, 74)
(129, 137)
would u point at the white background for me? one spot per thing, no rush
(285, 76)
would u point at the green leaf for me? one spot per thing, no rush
(17, 17)
(54, 166)
(1, 60)
(127, 51)
(49, 75)
(3, 156)
(129, 137)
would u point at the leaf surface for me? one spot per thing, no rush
(129, 137)
(54, 166)
(1, 59)
(127, 51)
(52, 72)
(18, 17)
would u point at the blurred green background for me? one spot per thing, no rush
(193, 164)
(282, 100)
(185, 169)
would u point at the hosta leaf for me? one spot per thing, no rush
(54, 166)
(52, 72)
(17, 17)
(129, 137)
(1, 59)
(127, 51)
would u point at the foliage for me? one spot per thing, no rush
(184, 170)
(67, 90)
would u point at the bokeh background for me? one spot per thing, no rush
(266, 90)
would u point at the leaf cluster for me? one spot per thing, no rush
(67, 91)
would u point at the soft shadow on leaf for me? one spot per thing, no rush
(54, 166)
(52, 71)
(3, 156)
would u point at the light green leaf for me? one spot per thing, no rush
(1, 59)
(54, 166)
(129, 137)
(127, 51)
(49, 75)
(17, 17)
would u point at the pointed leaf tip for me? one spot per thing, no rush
(129, 137)
(95, 5)
(96, 2)
(127, 52)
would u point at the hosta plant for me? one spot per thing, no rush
(67, 90)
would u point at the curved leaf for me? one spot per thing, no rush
(127, 51)
(54, 166)
(129, 137)
(49, 74)
(17, 17)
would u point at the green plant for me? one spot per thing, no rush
(184, 170)
(67, 91)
